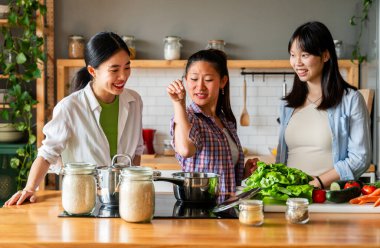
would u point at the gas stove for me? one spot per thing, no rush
(167, 207)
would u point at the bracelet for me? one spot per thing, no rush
(320, 182)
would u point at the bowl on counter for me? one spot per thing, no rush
(8, 133)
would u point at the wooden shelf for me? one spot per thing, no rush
(3, 21)
(3, 76)
(63, 65)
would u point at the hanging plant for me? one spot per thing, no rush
(22, 52)
(361, 21)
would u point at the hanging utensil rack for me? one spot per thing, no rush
(264, 73)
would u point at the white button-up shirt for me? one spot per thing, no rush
(75, 132)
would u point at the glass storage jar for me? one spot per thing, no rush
(130, 41)
(136, 194)
(338, 48)
(251, 212)
(172, 47)
(168, 149)
(79, 188)
(216, 44)
(76, 47)
(297, 211)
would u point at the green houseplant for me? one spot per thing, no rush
(361, 21)
(19, 63)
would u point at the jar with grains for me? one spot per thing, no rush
(251, 212)
(216, 44)
(297, 211)
(130, 41)
(172, 47)
(168, 149)
(136, 194)
(79, 188)
(76, 47)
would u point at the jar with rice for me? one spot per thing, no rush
(136, 194)
(79, 188)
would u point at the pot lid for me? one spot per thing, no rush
(235, 200)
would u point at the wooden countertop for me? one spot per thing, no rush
(37, 225)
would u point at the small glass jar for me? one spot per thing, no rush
(297, 211)
(216, 44)
(130, 41)
(79, 188)
(136, 194)
(76, 47)
(168, 149)
(251, 212)
(338, 48)
(172, 47)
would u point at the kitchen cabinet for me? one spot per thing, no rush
(64, 66)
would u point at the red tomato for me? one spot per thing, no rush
(319, 196)
(351, 184)
(368, 189)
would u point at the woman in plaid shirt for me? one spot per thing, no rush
(204, 134)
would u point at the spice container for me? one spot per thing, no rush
(76, 47)
(251, 212)
(297, 211)
(338, 48)
(79, 188)
(168, 149)
(130, 41)
(136, 194)
(172, 47)
(216, 44)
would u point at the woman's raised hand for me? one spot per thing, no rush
(176, 91)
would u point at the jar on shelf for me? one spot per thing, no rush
(338, 48)
(172, 47)
(297, 211)
(76, 47)
(130, 41)
(79, 188)
(136, 194)
(216, 44)
(251, 212)
(168, 149)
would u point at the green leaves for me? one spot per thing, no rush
(21, 58)
(280, 182)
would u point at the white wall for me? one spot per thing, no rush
(263, 98)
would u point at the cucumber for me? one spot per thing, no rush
(343, 195)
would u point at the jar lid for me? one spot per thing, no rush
(338, 42)
(128, 37)
(79, 168)
(76, 37)
(217, 42)
(297, 202)
(136, 171)
(247, 204)
(172, 38)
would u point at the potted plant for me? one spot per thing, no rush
(361, 21)
(19, 62)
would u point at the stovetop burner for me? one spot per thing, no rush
(166, 206)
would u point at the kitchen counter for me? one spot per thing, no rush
(37, 225)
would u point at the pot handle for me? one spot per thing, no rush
(177, 181)
(121, 155)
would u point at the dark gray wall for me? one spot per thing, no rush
(253, 29)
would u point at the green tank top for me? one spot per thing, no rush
(109, 122)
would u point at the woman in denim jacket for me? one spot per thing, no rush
(324, 120)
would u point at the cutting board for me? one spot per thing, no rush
(330, 208)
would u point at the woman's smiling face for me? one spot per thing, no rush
(204, 84)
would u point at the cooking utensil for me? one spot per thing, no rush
(194, 187)
(108, 181)
(235, 200)
(244, 118)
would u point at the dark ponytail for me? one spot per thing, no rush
(98, 49)
(219, 61)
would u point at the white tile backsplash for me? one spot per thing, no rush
(263, 99)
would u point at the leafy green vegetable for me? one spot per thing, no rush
(280, 182)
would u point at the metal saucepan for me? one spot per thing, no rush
(108, 181)
(194, 187)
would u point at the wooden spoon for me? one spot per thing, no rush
(244, 118)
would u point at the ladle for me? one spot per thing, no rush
(244, 118)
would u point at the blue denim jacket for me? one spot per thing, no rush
(351, 137)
